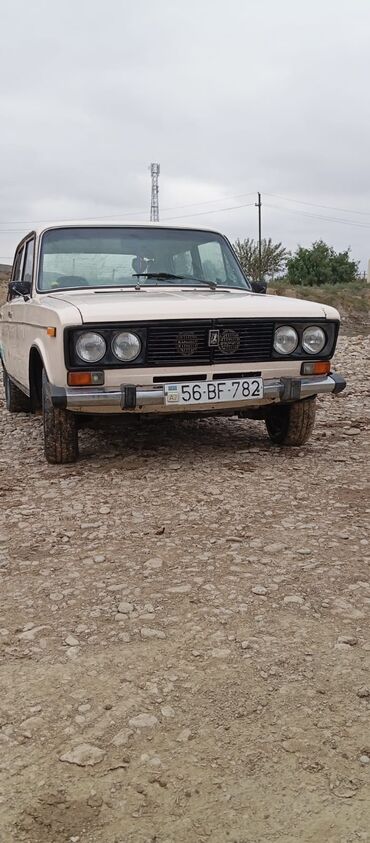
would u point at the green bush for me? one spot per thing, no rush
(321, 264)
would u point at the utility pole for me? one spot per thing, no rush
(258, 205)
(155, 170)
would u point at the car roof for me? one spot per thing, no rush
(38, 230)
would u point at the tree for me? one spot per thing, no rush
(321, 265)
(273, 257)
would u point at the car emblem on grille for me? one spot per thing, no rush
(229, 342)
(213, 338)
(186, 344)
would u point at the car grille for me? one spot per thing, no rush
(176, 343)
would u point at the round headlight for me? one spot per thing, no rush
(91, 347)
(313, 340)
(126, 346)
(286, 340)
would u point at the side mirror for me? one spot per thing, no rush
(19, 288)
(259, 286)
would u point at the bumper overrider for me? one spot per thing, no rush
(131, 397)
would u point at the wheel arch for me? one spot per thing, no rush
(37, 363)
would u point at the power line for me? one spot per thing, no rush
(315, 205)
(122, 214)
(11, 230)
(348, 223)
(282, 209)
(168, 219)
(178, 207)
(209, 202)
(205, 213)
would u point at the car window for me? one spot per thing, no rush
(28, 261)
(183, 263)
(18, 265)
(212, 262)
(112, 256)
(100, 268)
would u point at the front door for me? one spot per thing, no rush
(12, 313)
(24, 314)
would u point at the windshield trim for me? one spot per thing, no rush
(135, 287)
(248, 285)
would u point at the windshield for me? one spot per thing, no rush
(120, 256)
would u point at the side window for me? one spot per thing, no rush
(183, 264)
(28, 261)
(18, 265)
(212, 261)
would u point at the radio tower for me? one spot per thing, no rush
(155, 170)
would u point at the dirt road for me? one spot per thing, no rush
(185, 632)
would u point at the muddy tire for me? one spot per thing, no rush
(60, 430)
(15, 400)
(291, 424)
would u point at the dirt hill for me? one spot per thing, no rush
(5, 271)
(352, 301)
(3, 290)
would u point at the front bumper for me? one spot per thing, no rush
(151, 398)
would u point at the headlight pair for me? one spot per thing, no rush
(91, 347)
(286, 339)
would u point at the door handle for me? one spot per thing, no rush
(10, 314)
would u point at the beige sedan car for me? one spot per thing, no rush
(147, 318)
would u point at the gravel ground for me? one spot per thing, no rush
(185, 635)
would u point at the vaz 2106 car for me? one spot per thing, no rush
(128, 319)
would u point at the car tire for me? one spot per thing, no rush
(15, 400)
(60, 430)
(291, 424)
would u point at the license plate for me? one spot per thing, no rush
(214, 392)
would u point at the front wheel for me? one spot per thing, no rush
(15, 400)
(60, 430)
(291, 424)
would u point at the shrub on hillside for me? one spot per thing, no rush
(321, 264)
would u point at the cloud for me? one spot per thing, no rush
(230, 98)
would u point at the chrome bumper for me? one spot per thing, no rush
(130, 397)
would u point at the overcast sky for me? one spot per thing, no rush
(230, 97)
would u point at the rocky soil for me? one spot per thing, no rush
(185, 631)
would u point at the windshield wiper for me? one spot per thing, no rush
(169, 276)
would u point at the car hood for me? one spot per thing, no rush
(148, 304)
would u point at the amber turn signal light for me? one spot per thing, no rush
(85, 378)
(321, 367)
(51, 332)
